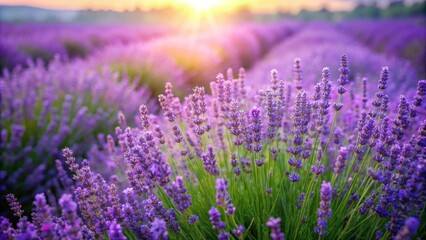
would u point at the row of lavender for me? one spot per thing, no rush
(319, 44)
(75, 103)
(194, 57)
(288, 158)
(22, 41)
(402, 38)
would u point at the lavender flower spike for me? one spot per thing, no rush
(14, 205)
(344, 72)
(222, 197)
(72, 223)
(159, 230)
(274, 225)
(324, 210)
(297, 73)
(209, 161)
(215, 219)
(340, 163)
(115, 232)
(410, 227)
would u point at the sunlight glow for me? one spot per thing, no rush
(202, 5)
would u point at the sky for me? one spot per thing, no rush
(121, 5)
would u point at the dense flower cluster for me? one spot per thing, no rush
(45, 109)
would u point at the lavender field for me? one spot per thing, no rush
(278, 129)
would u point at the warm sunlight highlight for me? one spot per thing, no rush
(202, 5)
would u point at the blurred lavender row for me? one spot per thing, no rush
(404, 38)
(22, 41)
(318, 45)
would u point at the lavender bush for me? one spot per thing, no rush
(310, 163)
(45, 109)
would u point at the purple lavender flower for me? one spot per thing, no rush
(172, 220)
(71, 222)
(297, 73)
(421, 92)
(294, 177)
(178, 193)
(14, 205)
(6, 230)
(168, 110)
(115, 232)
(344, 72)
(401, 123)
(26, 229)
(143, 111)
(384, 78)
(209, 161)
(324, 211)
(238, 231)
(256, 128)
(159, 230)
(274, 225)
(198, 111)
(223, 235)
(222, 196)
(193, 219)
(317, 169)
(215, 219)
(340, 163)
(234, 125)
(260, 162)
(301, 200)
(378, 235)
(241, 79)
(364, 93)
(42, 216)
(410, 227)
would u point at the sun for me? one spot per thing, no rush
(202, 5)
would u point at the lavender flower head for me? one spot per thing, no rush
(72, 223)
(297, 73)
(159, 229)
(274, 225)
(209, 161)
(14, 205)
(324, 211)
(215, 219)
(115, 232)
(178, 193)
(193, 219)
(344, 72)
(340, 163)
(222, 196)
(410, 227)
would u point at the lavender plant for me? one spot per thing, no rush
(46, 109)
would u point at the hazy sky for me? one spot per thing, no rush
(258, 5)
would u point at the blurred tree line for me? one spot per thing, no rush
(396, 9)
